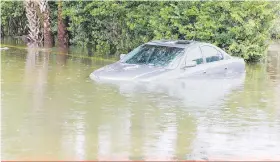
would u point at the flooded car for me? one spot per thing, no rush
(164, 60)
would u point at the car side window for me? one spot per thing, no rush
(194, 55)
(226, 57)
(211, 54)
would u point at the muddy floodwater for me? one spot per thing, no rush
(51, 110)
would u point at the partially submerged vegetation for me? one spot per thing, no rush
(113, 27)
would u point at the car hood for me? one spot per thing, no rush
(123, 71)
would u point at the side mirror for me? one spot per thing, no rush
(122, 56)
(190, 64)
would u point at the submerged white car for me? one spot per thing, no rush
(166, 59)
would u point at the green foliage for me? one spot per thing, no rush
(100, 25)
(53, 16)
(13, 19)
(275, 30)
(242, 28)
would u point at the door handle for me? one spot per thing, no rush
(204, 72)
(225, 68)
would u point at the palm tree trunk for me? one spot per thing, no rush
(45, 10)
(34, 34)
(61, 31)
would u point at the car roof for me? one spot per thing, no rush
(174, 43)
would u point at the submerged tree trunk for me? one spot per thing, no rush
(91, 48)
(61, 28)
(34, 33)
(45, 10)
(113, 48)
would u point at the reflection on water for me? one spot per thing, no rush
(203, 92)
(51, 110)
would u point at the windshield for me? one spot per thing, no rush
(153, 55)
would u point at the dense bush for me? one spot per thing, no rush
(112, 27)
(13, 19)
(275, 30)
(241, 28)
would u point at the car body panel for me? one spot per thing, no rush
(122, 71)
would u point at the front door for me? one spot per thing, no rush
(214, 61)
(199, 70)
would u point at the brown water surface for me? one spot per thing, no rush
(51, 110)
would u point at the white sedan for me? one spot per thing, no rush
(166, 59)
